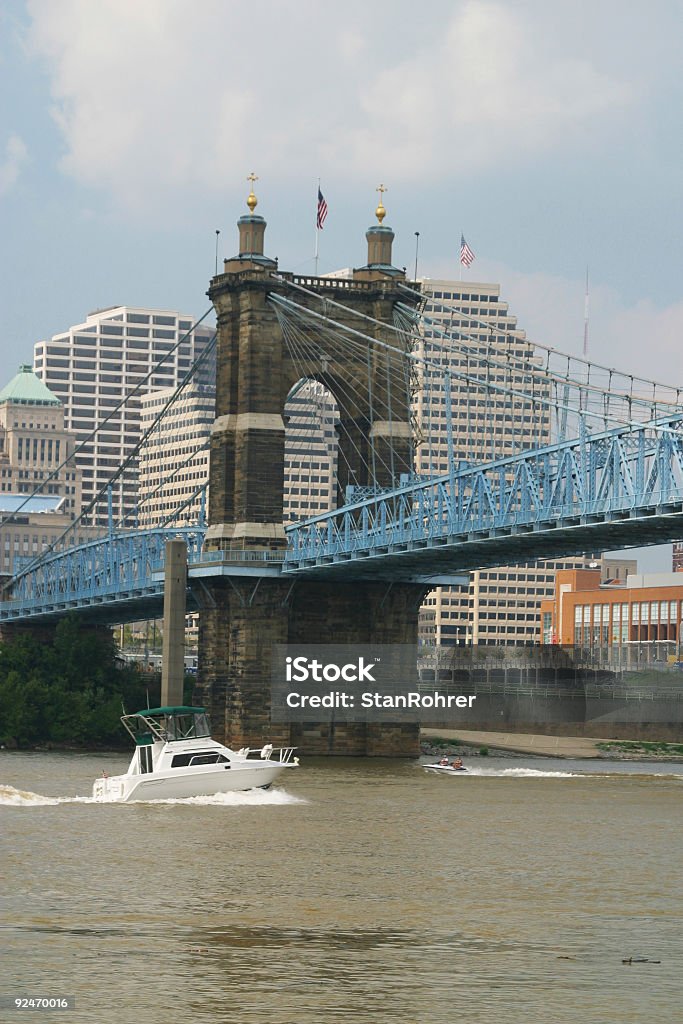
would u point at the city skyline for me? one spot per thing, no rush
(512, 124)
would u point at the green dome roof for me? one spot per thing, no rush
(27, 389)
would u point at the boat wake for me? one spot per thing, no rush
(536, 773)
(510, 773)
(524, 773)
(241, 798)
(11, 797)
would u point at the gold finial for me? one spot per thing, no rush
(380, 212)
(251, 198)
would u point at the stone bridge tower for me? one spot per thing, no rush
(242, 616)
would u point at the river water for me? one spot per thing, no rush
(359, 891)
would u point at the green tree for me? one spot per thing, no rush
(70, 690)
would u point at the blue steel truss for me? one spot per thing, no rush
(103, 578)
(621, 488)
(616, 489)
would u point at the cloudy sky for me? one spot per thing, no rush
(549, 133)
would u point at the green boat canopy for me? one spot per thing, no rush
(173, 722)
(171, 711)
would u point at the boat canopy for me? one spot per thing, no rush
(171, 710)
(167, 723)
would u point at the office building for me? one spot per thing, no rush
(40, 485)
(116, 354)
(174, 455)
(476, 387)
(311, 452)
(643, 615)
(34, 444)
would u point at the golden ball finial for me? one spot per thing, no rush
(251, 198)
(380, 212)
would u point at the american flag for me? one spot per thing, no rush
(322, 210)
(466, 254)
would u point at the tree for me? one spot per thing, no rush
(68, 691)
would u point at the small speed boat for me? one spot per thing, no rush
(445, 769)
(175, 758)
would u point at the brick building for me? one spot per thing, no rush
(644, 612)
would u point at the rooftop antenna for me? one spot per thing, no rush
(583, 398)
(585, 320)
(417, 242)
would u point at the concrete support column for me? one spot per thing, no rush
(173, 649)
(238, 626)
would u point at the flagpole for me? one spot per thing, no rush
(317, 229)
(460, 272)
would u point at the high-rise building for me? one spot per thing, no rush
(34, 444)
(40, 485)
(311, 452)
(476, 398)
(174, 455)
(116, 354)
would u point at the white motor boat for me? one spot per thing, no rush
(175, 758)
(444, 769)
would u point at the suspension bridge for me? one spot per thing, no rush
(523, 453)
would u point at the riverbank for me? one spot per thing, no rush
(574, 747)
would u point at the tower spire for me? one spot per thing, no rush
(380, 237)
(252, 228)
(252, 201)
(380, 212)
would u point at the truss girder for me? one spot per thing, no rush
(632, 471)
(115, 568)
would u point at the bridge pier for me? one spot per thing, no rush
(240, 621)
(244, 619)
(353, 613)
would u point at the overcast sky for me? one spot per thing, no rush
(548, 133)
